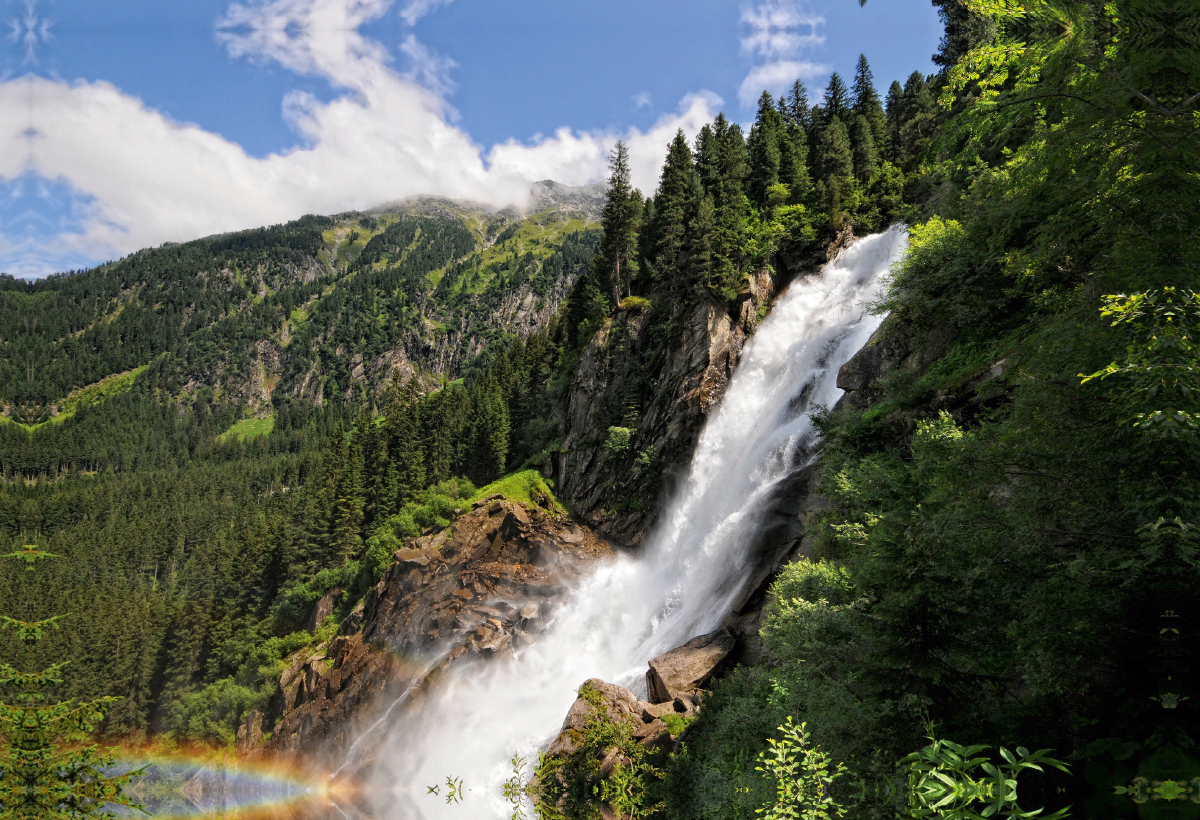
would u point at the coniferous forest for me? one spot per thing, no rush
(211, 436)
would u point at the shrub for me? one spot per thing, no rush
(618, 441)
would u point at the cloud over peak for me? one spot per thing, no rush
(147, 179)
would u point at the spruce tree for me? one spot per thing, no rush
(708, 159)
(674, 204)
(866, 101)
(837, 159)
(863, 145)
(796, 107)
(895, 116)
(837, 99)
(765, 153)
(731, 206)
(622, 206)
(48, 769)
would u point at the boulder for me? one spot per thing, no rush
(682, 671)
(415, 558)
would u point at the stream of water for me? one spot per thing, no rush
(682, 585)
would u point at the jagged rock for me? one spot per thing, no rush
(477, 590)
(884, 352)
(678, 673)
(415, 558)
(618, 703)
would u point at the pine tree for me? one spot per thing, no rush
(765, 153)
(796, 107)
(837, 159)
(863, 146)
(793, 164)
(674, 204)
(731, 206)
(895, 112)
(622, 206)
(698, 248)
(866, 101)
(492, 431)
(837, 99)
(708, 159)
(918, 120)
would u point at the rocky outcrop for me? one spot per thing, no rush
(684, 670)
(663, 396)
(484, 586)
(618, 705)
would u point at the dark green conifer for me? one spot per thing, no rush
(765, 150)
(863, 146)
(795, 108)
(866, 101)
(674, 204)
(837, 99)
(622, 207)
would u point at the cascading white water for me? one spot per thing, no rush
(694, 566)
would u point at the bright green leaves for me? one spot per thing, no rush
(1161, 366)
(954, 782)
(803, 776)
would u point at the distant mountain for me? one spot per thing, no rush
(323, 306)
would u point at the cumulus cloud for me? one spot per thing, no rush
(149, 179)
(777, 34)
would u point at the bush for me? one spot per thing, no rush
(618, 441)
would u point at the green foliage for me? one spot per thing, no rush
(574, 786)
(212, 714)
(528, 487)
(617, 442)
(954, 782)
(48, 768)
(803, 776)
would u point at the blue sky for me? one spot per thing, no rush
(132, 122)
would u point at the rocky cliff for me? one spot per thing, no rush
(483, 586)
(661, 394)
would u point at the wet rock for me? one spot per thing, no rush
(681, 671)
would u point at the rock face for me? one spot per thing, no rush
(620, 706)
(484, 586)
(621, 382)
(682, 671)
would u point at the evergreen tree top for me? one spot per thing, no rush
(865, 95)
(837, 98)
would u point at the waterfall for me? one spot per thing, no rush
(694, 565)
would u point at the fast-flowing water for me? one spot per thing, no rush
(694, 566)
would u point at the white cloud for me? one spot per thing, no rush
(429, 69)
(776, 77)
(641, 99)
(416, 9)
(149, 179)
(777, 34)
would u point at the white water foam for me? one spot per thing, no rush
(695, 564)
